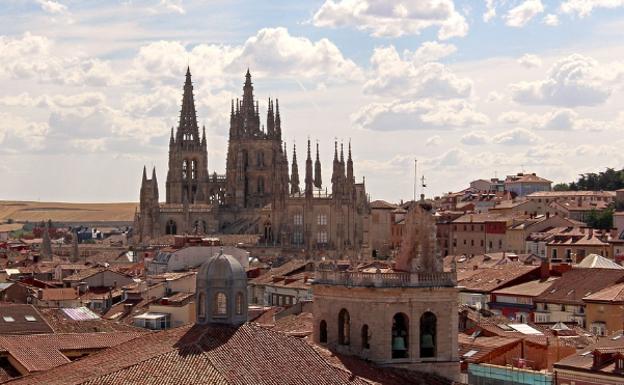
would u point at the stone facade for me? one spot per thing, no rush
(402, 318)
(256, 195)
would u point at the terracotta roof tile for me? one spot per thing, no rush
(197, 354)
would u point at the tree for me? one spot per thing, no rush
(561, 187)
(600, 219)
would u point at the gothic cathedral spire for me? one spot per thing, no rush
(318, 181)
(294, 179)
(187, 128)
(309, 180)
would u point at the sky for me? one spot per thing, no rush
(89, 89)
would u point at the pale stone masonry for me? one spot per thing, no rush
(257, 195)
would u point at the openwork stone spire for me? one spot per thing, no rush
(188, 128)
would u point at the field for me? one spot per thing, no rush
(26, 211)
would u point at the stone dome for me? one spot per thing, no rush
(221, 267)
(221, 291)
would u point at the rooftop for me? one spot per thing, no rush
(197, 354)
(576, 284)
(22, 319)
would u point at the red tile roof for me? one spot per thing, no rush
(576, 284)
(20, 324)
(41, 352)
(197, 354)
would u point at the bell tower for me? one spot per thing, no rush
(405, 318)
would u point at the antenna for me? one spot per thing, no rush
(415, 177)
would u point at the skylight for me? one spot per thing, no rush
(470, 353)
(30, 318)
(8, 318)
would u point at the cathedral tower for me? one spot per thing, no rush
(188, 156)
(257, 168)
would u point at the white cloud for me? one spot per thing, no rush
(270, 52)
(435, 140)
(51, 6)
(394, 76)
(173, 6)
(584, 8)
(530, 61)
(490, 10)
(575, 80)
(430, 51)
(32, 56)
(561, 120)
(393, 18)
(516, 136)
(520, 15)
(494, 96)
(417, 115)
(475, 138)
(551, 20)
(274, 51)
(18, 134)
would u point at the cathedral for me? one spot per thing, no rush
(260, 191)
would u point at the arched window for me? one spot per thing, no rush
(199, 227)
(193, 169)
(239, 303)
(400, 336)
(201, 306)
(428, 336)
(365, 337)
(171, 228)
(220, 304)
(323, 332)
(344, 327)
(185, 167)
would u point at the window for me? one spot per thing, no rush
(298, 219)
(220, 306)
(171, 228)
(239, 303)
(185, 169)
(323, 331)
(193, 169)
(7, 318)
(428, 328)
(344, 327)
(322, 219)
(400, 336)
(201, 306)
(260, 185)
(321, 237)
(30, 318)
(365, 337)
(298, 238)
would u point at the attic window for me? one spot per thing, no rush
(8, 319)
(30, 318)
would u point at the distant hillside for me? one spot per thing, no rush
(22, 211)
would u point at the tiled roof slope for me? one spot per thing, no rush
(197, 354)
(20, 324)
(41, 352)
(62, 324)
(576, 284)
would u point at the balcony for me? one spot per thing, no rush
(360, 279)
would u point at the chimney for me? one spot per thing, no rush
(544, 271)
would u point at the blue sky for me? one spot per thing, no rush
(90, 89)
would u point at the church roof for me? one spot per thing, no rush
(222, 266)
(219, 354)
